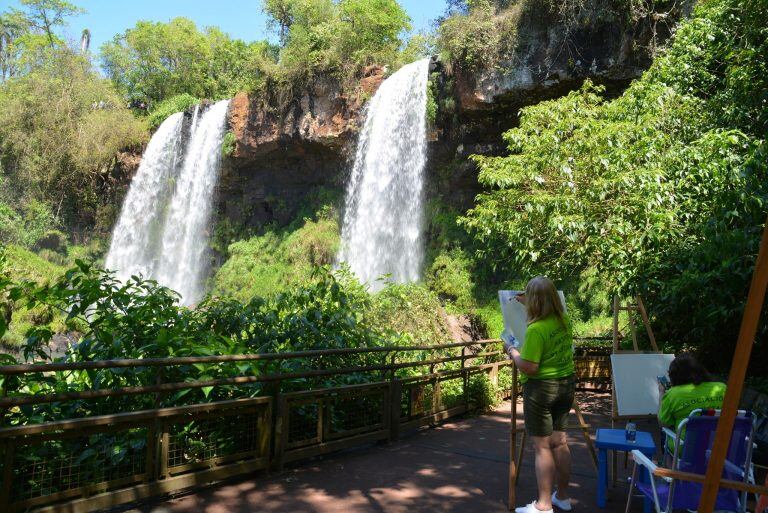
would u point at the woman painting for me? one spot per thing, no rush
(692, 388)
(546, 364)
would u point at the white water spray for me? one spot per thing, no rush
(184, 246)
(162, 232)
(382, 229)
(135, 241)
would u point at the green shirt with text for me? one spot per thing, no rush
(549, 342)
(679, 401)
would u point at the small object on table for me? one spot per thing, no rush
(630, 432)
(616, 440)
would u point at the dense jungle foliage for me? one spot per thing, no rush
(661, 191)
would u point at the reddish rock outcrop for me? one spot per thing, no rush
(323, 114)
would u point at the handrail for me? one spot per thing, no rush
(112, 419)
(29, 399)
(189, 360)
(700, 478)
(20, 400)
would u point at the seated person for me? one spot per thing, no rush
(692, 388)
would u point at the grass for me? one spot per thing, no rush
(22, 264)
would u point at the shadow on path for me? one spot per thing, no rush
(457, 467)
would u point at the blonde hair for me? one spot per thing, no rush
(542, 300)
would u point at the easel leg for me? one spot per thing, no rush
(585, 432)
(520, 456)
(513, 442)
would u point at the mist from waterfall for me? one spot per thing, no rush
(382, 232)
(162, 232)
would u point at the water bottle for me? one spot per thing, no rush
(631, 432)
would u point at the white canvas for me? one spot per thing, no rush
(515, 318)
(635, 382)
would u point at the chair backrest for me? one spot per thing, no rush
(693, 457)
(700, 435)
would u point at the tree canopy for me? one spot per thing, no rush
(662, 190)
(154, 61)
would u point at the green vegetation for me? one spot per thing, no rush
(156, 61)
(61, 126)
(228, 145)
(279, 260)
(480, 34)
(660, 191)
(18, 265)
(327, 37)
(172, 105)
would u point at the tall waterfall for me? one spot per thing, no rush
(135, 243)
(382, 229)
(162, 232)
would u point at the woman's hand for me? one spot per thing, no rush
(662, 390)
(529, 368)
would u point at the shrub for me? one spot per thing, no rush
(450, 276)
(172, 105)
(26, 226)
(478, 38)
(228, 144)
(412, 310)
(483, 394)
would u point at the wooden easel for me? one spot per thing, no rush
(516, 456)
(630, 308)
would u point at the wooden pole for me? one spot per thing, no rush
(513, 442)
(644, 314)
(615, 323)
(744, 345)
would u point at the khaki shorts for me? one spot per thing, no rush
(546, 404)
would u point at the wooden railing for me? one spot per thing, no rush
(99, 461)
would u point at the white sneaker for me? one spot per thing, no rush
(564, 504)
(531, 508)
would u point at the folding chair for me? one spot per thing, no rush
(692, 455)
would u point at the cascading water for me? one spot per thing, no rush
(382, 229)
(184, 242)
(135, 243)
(162, 230)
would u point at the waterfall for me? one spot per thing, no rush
(162, 232)
(134, 243)
(184, 246)
(382, 228)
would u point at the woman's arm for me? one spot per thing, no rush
(529, 368)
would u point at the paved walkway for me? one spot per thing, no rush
(457, 467)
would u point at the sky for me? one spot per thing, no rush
(242, 19)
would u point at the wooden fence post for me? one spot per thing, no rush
(5, 491)
(395, 398)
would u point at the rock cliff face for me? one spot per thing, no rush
(281, 161)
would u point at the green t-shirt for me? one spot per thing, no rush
(678, 402)
(549, 343)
